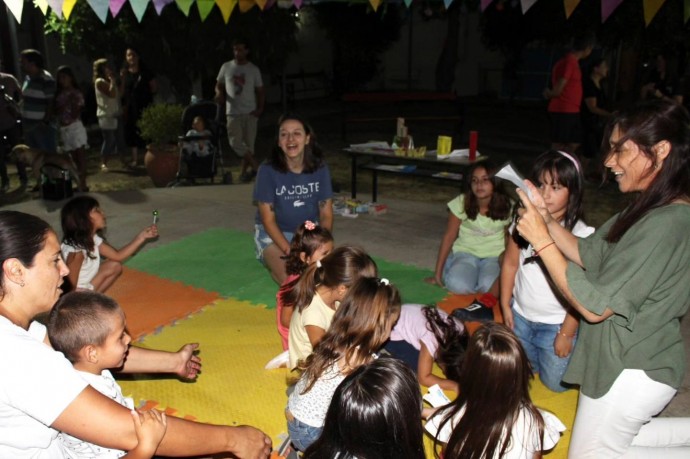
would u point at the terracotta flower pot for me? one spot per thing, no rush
(161, 163)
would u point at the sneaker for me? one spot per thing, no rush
(279, 361)
(247, 177)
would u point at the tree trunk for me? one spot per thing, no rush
(448, 59)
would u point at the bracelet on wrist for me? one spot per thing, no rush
(548, 244)
(560, 333)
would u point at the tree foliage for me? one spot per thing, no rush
(179, 47)
(359, 35)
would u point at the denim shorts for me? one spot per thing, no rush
(302, 435)
(263, 240)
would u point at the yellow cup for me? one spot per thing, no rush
(443, 146)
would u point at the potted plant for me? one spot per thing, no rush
(160, 126)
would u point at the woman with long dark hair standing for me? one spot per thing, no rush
(629, 282)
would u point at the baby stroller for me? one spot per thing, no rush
(193, 165)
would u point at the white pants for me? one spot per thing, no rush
(620, 423)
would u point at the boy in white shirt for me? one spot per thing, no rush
(90, 330)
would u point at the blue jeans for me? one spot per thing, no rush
(40, 135)
(464, 273)
(303, 435)
(109, 146)
(263, 240)
(537, 339)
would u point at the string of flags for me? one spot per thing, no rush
(63, 8)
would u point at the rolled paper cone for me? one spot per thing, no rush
(473, 145)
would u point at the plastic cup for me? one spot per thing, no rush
(474, 137)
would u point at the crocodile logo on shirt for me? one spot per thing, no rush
(298, 203)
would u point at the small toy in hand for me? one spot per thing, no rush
(481, 310)
(155, 217)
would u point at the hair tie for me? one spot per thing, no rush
(570, 157)
(318, 264)
(309, 225)
(384, 281)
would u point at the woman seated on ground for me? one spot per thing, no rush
(293, 186)
(45, 394)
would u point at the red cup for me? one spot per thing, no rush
(473, 145)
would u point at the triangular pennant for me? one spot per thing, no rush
(100, 7)
(298, 3)
(608, 7)
(261, 4)
(375, 4)
(527, 4)
(139, 8)
(651, 7)
(408, 3)
(570, 6)
(42, 5)
(484, 4)
(686, 11)
(245, 5)
(160, 4)
(56, 6)
(447, 3)
(204, 7)
(226, 7)
(16, 7)
(116, 6)
(67, 7)
(270, 4)
(184, 6)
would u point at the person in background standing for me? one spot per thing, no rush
(38, 91)
(565, 96)
(240, 86)
(138, 87)
(10, 96)
(594, 116)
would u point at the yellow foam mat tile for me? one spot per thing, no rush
(236, 340)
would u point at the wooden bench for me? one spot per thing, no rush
(416, 107)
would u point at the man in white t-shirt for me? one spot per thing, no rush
(240, 86)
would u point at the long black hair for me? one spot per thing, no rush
(77, 227)
(375, 413)
(313, 155)
(646, 124)
(499, 206)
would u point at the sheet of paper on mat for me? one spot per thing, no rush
(510, 173)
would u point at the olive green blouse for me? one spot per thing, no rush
(644, 279)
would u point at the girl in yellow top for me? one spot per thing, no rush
(467, 259)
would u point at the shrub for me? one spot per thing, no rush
(161, 124)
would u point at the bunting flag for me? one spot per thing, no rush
(686, 11)
(608, 7)
(570, 6)
(651, 7)
(226, 7)
(447, 3)
(184, 6)
(297, 3)
(56, 6)
(42, 5)
(16, 7)
(139, 8)
(526, 5)
(160, 4)
(375, 4)
(483, 5)
(245, 5)
(270, 3)
(204, 7)
(67, 7)
(261, 4)
(100, 7)
(116, 6)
